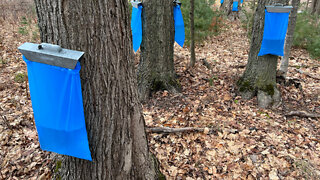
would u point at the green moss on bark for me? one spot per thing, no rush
(174, 82)
(156, 164)
(269, 89)
(160, 84)
(245, 85)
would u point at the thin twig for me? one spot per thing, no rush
(305, 66)
(173, 130)
(317, 140)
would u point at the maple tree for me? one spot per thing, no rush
(289, 38)
(156, 68)
(259, 77)
(113, 116)
(231, 137)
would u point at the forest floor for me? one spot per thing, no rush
(242, 141)
(239, 140)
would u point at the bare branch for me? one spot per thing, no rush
(308, 74)
(303, 114)
(179, 130)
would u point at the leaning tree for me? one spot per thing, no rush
(289, 38)
(156, 68)
(115, 125)
(259, 77)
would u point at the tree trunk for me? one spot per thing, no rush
(253, 8)
(289, 38)
(114, 122)
(317, 11)
(259, 77)
(315, 7)
(227, 9)
(156, 68)
(192, 47)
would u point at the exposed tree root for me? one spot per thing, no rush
(303, 114)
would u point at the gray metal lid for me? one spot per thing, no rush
(177, 2)
(279, 8)
(136, 3)
(51, 54)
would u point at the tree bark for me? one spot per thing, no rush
(192, 47)
(289, 38)
(315, 7)
(259, 77)
(250, 22)
(317, 11)
(156, 68)
(227, 9)
(114, 122)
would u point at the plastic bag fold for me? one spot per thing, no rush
(58, 109)
(136, 27)
(235, 6)
(179, 35)
(274, 34)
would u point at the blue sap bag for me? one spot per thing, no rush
(274, 34)
(221, 1)
(179, 35)
(136, 27)
(235, 6)
(241, 1)
(58, 109)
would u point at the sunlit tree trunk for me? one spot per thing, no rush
(156, 69)
(259, 77)
(289, 38)
(115, 125)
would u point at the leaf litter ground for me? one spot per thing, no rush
(240, 140)
(247, 142)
